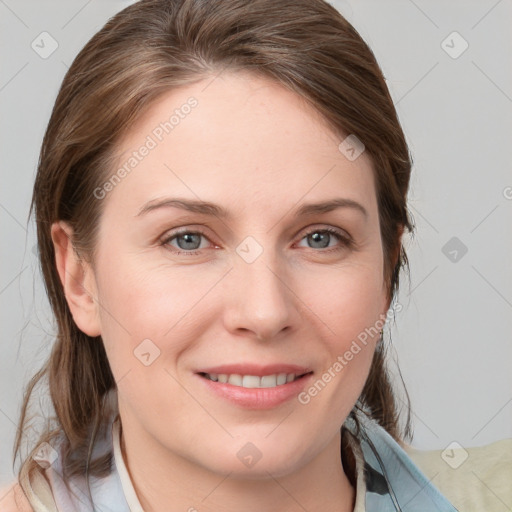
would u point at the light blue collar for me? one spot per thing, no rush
(393, 482)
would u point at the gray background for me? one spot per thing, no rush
(452, 339)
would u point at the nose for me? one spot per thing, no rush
(261, 301)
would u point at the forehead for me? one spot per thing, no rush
(236, 138)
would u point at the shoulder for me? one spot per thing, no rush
(13, 499)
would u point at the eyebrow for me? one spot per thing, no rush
(207, 208)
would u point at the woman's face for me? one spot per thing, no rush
(249, 281)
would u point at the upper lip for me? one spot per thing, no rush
(255, 369)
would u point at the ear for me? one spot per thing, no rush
(77, 279)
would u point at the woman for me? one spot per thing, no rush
(220, 202)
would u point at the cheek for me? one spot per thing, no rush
(160, 304)
(348, 299)
(145, 324)
(350, 313)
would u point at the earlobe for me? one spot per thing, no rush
(77, 280)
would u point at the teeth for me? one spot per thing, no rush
(253, 381)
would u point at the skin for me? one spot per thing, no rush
(259, 151)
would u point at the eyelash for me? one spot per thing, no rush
(346, 241)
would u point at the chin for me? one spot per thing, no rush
(248, 462)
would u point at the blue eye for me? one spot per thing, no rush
(323, 237)
(189, 242)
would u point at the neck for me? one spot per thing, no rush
(161, 477)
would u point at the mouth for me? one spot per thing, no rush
(254, 381)
(256, 392)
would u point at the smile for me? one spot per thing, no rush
(253, 381)
(254, 392)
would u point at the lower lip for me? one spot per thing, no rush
(257, 398)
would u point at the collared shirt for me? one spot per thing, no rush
(387, 479)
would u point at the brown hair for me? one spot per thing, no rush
(154, 46)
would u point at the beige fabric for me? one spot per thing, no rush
(40, 494)
(474, 479)
(39, 499)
